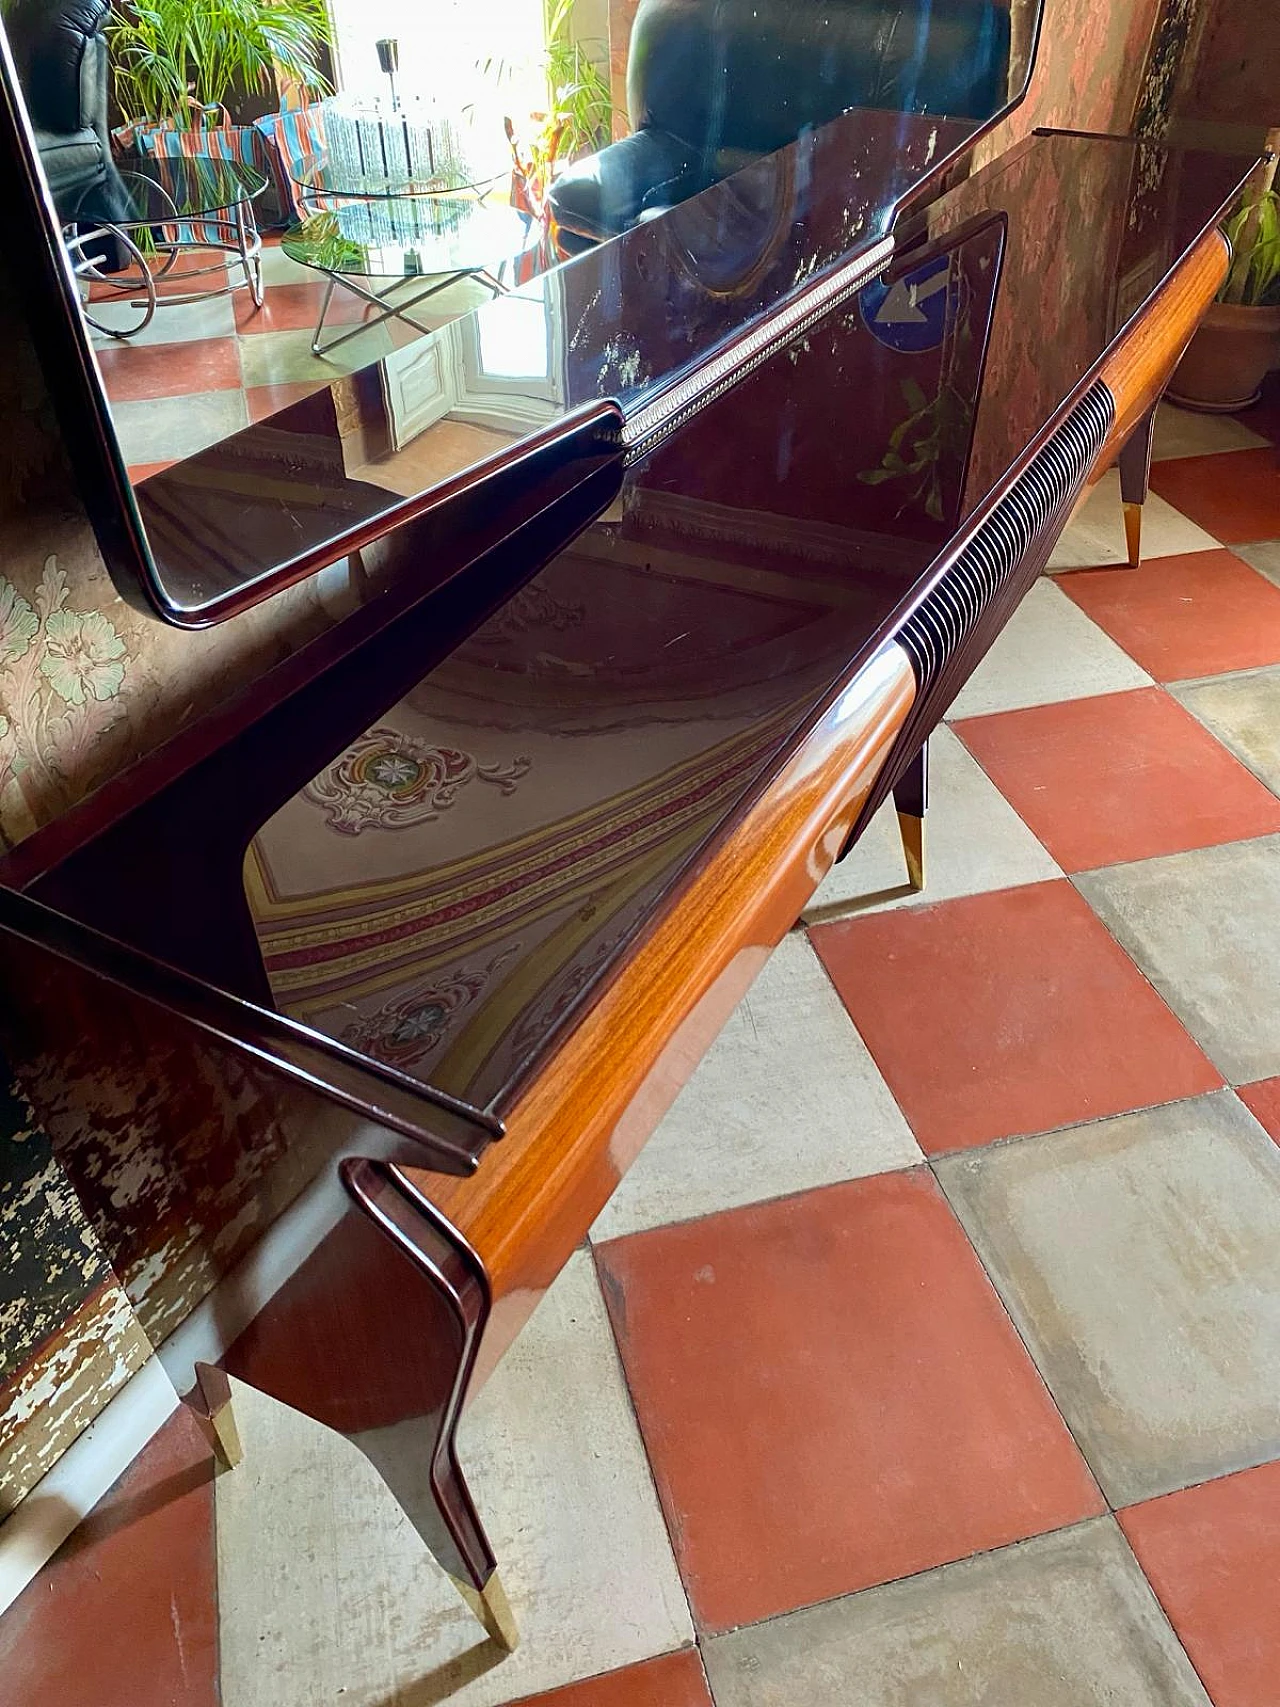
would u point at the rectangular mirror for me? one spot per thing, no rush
(303, 274)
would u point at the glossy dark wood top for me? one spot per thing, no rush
(622, 322)
(445, 893)
(450, 839)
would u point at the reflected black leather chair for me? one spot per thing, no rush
(713, 84)
(60, 50)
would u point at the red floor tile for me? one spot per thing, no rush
(1263, 1102)
(1234, 495)
(295, 307)
(1212, 1554)
(139, 471)
(126, 1614)
(832, 1396)
(143, 371)
(1007, 1013)
(1119, 776)
(1194, 615)
(264, 400)
(676, 1680)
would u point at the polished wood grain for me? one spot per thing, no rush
(575, 1130)
(1137, 371)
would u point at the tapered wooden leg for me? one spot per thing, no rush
(211, 1403)
(376, 1336)
(1134, 463)
(911, 798)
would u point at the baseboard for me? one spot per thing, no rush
(33, 1532)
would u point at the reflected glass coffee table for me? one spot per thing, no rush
(418, 244)
(175, 207)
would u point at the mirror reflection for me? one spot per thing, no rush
(262, 202)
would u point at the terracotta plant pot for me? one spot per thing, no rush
(1226, 362)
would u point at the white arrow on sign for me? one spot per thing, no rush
(901, 306)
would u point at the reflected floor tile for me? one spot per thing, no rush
(1187, 432)
(1212, 1554)
(1094, 536)
(787, 1098)
(1205, 928)
(284, 358)
(172, 322)
(170, 370)
(327, 1595)
(832, 1397)
(1243, 711)
(976, 842)
(280, 269)
(1050, 650)
(1061, 1621)
(169, 428)
(1137, 1257)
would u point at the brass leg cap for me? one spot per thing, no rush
(911, 830)
(217, 1415)
(1133, 533)
(493, 1609)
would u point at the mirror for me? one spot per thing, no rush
(293, 295)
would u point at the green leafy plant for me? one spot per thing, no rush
(579, 114)
(581, 100)
(178, 61)
(1254, 234)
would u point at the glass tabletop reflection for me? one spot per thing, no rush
(377, 180)
(162, 188)
(404, 237)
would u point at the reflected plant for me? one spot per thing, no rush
(327, 246)
(179, 61)
(932, 439)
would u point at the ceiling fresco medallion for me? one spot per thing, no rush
(389, 781)
(410, 1026)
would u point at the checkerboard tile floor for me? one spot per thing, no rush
(931, 1350)
(202, 370)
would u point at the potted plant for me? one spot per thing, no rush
(176, 63)
(1238, 342)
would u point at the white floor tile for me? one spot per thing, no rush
(327, 1595)
(166, 428)
(787, 1098)
(1185, 432)
(281, 358)
(172, 322)
(1050, 650)
(976, 842)
(1094, 537)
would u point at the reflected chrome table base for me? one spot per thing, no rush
(237, 241)
(389, 309)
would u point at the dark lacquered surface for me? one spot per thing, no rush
(620, 322)
(444, 893)
(947, 71)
